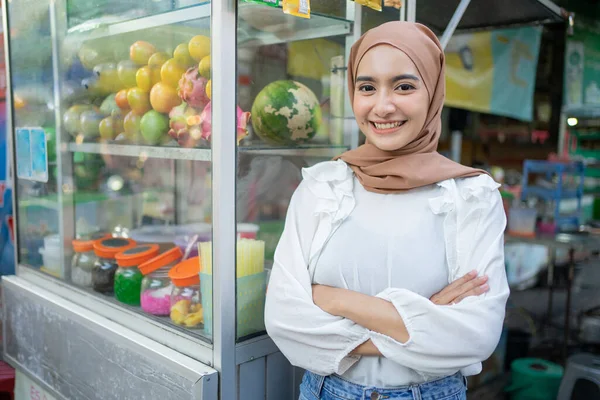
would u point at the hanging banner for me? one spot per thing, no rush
(493, 72)
(582, 65)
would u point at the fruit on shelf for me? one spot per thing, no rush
(192, 89)
(94, 87)
(131, 127)
(163, 98)
(204, 67)
(141, 51)
(110, 127)
(204, 121)
(127, 70)
(182, 56)
(121, 99)
(171, 72)
(108, 77)
(199, 47)
(109, 105)
(90, 56)
(71, 118)
(154, 126)
(286, 113)
(89, 123)
(179, 128)
(157, 60)
(146, 78)
(138, 100)
(209, 89)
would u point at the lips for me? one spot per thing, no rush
(386, 127)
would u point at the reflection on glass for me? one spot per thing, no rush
(285, 80)
(130, 160)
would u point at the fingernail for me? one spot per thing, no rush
(485, 287)
(483, 278)
(472, 273)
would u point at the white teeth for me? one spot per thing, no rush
(388, 125)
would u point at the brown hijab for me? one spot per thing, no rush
(418, 163)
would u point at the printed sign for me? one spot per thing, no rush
(493, 72)
(32, 154)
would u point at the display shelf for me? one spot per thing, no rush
(201, 154)
(551, 194)
(258, 25)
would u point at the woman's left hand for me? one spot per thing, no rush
(326, 297)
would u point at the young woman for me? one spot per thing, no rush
(359, 294)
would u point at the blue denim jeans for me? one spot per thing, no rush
(317, 387)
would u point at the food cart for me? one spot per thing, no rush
(123, 133)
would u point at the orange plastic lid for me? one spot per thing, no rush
(166, 258)
(136, 255)
(108, 248)
(87, 244)
(186, 273)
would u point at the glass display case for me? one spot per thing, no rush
(177, 125)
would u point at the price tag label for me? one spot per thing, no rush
(27, 389)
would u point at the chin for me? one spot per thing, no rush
(387, 143)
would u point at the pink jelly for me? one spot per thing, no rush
(155, 305)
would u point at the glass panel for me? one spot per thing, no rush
(285, 80)
(131, 160)
(32, 85)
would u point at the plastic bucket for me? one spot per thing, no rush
(521, 221)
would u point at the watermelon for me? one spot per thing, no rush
(286, 113)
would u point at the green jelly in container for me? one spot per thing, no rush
(128, 278)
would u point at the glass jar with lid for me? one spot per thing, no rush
(156, 285)
(128, 278)
(186, 301)
(105, 266)
(84, 258)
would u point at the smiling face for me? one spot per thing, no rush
(390, 99)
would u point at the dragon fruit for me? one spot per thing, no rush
(201, 125)
(192, 88)
(179, 128)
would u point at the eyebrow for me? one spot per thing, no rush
(394, 79)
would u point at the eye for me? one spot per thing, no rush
(366, 88)
(405, 87)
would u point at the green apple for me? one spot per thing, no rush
(154, 126)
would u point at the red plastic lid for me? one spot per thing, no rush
(186, 273)
(108, 248)
(166, 258)
(136, 255)
(87, 244)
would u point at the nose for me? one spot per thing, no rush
(384, 104)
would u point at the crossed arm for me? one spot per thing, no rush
(379, 315)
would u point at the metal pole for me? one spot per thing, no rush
(223, 55)
(354, 13)
(411, 13)
(458, 14)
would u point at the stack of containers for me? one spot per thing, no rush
(251, 284)
(156, 285)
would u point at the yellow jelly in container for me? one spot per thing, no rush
(186, 301)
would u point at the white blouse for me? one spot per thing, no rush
(400, 247)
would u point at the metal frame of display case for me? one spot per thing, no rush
(225, 354)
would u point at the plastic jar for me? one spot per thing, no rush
(186, 301)
(103, 273)
(156, 285)
(128, 278)
(84, 259)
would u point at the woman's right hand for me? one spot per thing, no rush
(468, 285)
